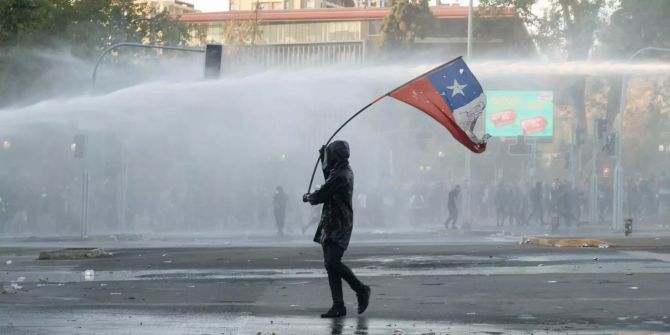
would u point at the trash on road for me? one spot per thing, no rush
(8, 289)
(8, 262)
(73, 253)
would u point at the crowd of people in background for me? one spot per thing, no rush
(276, 209)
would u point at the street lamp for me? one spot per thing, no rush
(6, 144)
(618, 169)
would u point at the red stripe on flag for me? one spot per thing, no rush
(422, 95)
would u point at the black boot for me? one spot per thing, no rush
(335, 312)
(363, 299)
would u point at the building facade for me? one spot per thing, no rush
(349, 34)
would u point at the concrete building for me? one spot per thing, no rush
(333, 35)
(242, 5)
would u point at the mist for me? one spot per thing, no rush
(171, 153)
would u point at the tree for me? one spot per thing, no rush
(31, 31)
(636, 24)
(407, 21)
(567, 30)
(239, 33)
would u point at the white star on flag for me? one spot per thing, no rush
(457, 88)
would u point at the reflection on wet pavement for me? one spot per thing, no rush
(185, 322)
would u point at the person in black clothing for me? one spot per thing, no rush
(535, 196)
(314, 215)
(279, 203)
(451, 206)
(335, 227)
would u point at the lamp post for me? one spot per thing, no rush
(617, 215)
(468, 155)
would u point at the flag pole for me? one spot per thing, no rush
(311, 180)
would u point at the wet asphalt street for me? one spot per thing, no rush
(479, 286)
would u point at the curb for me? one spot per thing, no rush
(566, 242)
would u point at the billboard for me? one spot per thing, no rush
(517, 113)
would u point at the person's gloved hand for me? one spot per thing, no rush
(322, 151)
(305, 197)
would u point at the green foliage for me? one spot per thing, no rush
(407, 21)
(565, 28)
(243, 33)
(32, 31)
(636, 24)
(86, 24)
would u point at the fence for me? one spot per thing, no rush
(291, 55)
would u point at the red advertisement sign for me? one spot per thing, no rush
(534, 125)
(503, 117)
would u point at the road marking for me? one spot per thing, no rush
(650, 255)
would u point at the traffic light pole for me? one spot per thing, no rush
(84, 199)
(617, 215)
(594, 174)
(135, 45)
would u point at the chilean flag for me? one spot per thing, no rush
(452, 96)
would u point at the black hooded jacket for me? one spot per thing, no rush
(337, 215)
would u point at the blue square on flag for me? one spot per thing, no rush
(461, 91)
(452, 96)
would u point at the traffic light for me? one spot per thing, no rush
(601, 128)
(213, 53)
(79, 145)
(606, 172)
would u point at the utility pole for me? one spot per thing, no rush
(594, 174)
(467, 199)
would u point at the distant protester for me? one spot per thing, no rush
(451, 206)
(336, 225)
(279, 203)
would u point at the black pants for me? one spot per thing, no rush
(332, 259)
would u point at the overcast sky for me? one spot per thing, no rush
(209, 5)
